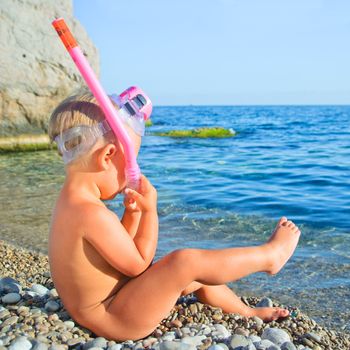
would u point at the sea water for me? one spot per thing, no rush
(289, 161)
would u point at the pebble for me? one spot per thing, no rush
(288, 346)
(9, 285)
(216, 347)
(254, 338)
(39, 289)
(69, 324)
(115, 347)
(40, 346)
(11, 298)
(266, 344)
(52, 306)
(58, 347)
(9, 321)
(20, 343)
(276, 335)
(220, 331)
(172, 345)
(223, 346)
(314, 337)
(264, 302)
(242, 331)
(237, 341)
(195, 340)
(258, 321)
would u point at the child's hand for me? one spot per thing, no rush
(130, 204)
(145, 199)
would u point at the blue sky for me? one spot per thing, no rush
(231, 52)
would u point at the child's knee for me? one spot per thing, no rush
(184, 258)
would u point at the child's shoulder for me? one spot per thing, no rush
(82, 209)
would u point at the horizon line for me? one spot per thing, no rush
(254, 105)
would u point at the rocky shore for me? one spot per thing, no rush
(33, 317)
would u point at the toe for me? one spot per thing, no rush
(282, 220)
(284, 313)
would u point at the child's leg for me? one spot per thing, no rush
(145, 300)
(218, 296)
(225, 298)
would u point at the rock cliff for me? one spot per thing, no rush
(36, 71)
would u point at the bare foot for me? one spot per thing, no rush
(269, 313)
(281, 245)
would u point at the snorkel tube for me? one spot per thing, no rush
(132, 170)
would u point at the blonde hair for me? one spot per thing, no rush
(79, 109)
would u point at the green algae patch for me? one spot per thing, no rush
(25, 143)
(216, 132)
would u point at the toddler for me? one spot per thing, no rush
(102, 265)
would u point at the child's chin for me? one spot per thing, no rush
(106, 197)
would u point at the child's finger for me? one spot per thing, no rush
(132, 194)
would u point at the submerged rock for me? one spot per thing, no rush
(200, 133)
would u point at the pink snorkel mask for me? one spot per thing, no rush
(134, 108)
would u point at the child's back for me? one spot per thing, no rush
(84, 280)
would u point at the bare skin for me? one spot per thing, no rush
(102, 266)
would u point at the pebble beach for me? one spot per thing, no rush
(32, 317)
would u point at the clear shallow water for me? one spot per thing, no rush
(216, 193)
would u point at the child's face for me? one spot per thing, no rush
(114, 180)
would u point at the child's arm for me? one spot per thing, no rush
(104, 231)
(146, 237)
(108, 236)
(131, 221)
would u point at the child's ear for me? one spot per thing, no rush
(106, 155)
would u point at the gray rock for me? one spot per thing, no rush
(254, 338)
(196, 340)
(220, 331)
(265, 302)
(266, 344)
(148, 342)
(239, 342)
(241, 331)
(69, 324)
(185, 330)
(115, 347)
(216, 347)
(52, 306)
(174, 345)
(96, 348)
(53, 293)
(20, 343)
(288, 346)
(11, 298)
(224, 346)
(97, 342)
(138, 346)
(40, 346)
(54, 346)
(170, 336)
(36, 70)
(258, 321)
(39, 289)
(9, 285)
(31, 294)
(313, 336)
(276, 335)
